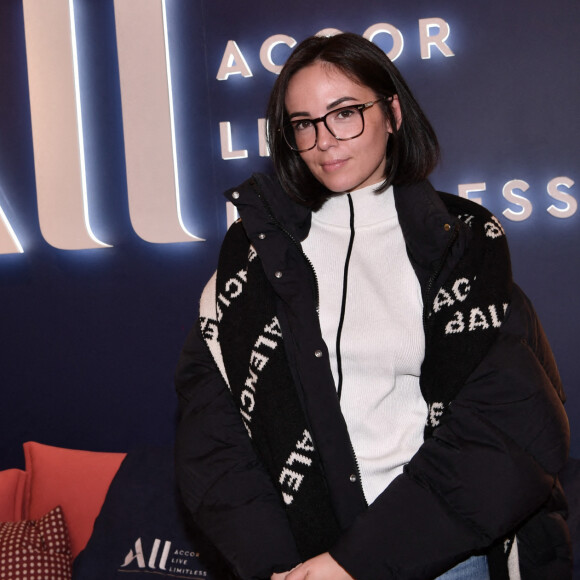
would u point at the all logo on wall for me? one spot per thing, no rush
(152, 169)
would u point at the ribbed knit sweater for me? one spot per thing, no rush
(382, 342)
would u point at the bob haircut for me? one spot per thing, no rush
(412, 150)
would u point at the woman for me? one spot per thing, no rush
(368, 394)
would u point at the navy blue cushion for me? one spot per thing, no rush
(144, 529)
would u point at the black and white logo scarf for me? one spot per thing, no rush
(464, 317)
(242, 329)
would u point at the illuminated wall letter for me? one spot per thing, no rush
(395, 33)
(438, 39)
(56, 124)
(328, 32)
(267, 48)
(523, 202)
(557, 194)
(464, 189)
(262, 140)
(148, 125)
(226, 143)
(9, 243)
(233, 63)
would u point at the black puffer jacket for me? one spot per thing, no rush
(489, 470)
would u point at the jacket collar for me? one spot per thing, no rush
(263, 204)
(426, 223)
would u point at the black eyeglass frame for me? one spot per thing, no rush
(361, 108)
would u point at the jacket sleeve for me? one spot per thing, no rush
(490, 465)
(223, 484)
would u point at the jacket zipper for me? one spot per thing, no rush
(266, 205)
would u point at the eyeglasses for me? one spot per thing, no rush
(343, 124)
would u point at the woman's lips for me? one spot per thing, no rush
(333, 165)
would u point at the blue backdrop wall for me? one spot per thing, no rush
(90, 335)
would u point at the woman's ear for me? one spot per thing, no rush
(396, 109)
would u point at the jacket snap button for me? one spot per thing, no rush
(278, 274)
(352, 478)
(235, 195)
(317, 353)
(261, 236)
(446, 227)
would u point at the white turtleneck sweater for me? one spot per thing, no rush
(382, 342)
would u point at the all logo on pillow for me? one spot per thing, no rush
(35, 549)
(143, 532)
(176, 559)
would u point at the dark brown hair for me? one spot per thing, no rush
(412, 150)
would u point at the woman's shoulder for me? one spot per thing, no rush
(478, 218)
(461, 206)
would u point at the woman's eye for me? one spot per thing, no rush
(302, 124)
(345, 113)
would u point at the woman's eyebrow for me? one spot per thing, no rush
(335, 104)
(329, 107)
(299, 114)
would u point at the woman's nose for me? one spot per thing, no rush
(325, 138)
